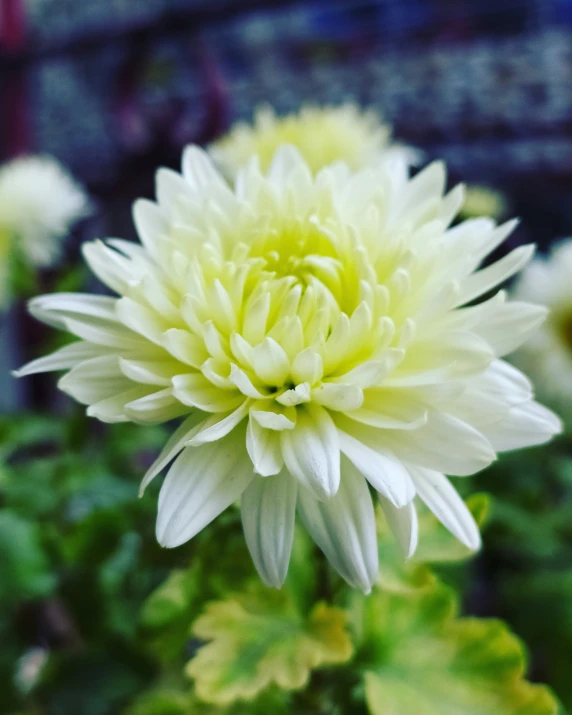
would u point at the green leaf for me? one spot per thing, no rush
(419, 657)
(24, 568)
(258, 639)
(174, 702)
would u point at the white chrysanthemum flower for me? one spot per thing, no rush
(323, 135)
(319, 336)
(548, 354)
(39, 202)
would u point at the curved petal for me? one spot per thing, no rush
(268, 509)
(311, 451)
(202, 483)
(404, 524)
(218, 426)
(344, 528)
(174, 445)
(385, 473)
(524, 425)
(63, 359)
(263, 447)
(444, 501)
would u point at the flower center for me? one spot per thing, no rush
(300, 250)
(564, 327)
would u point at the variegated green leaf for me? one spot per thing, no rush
(418, 656)
(259, 639)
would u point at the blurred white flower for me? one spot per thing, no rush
(548, 353)
(320, 336)
(29, 669)
(323, 135)
(39, 202)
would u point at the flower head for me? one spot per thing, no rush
(322, 135)
(319, 335)
(548, 354)
(39, 202)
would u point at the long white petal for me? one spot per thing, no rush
(491, 276)
(524, 425)
(53, 308)
(511, 325)
(382, 470)
(344, 528)
(96, 379)
(264, 449)
(218, 426)
(404, 524)
(156, 407)
(151, 224)
(63, 359)
(172, 448)
(311, 451)
(445, 443)
(442, 498)
(268, 509)
(202, 482)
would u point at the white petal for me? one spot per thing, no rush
(524, 425)
(445, 443)
(185, 346)
(53, 308)
(111, 335)
(94, 380)
(272, 420)
(270, 362)
(385, 473)
(243, 382)
(199, 170)
(140, 319)
(150, 223)
(390, 409)
(372, 372)
(344, 528)
(511, 325)
(307, 367)
(338, 396)
(489, 277)
(311, 451)
(170, 188)
(444, 501)
(299, 395)
(63, 359)
(112, 269)
(195, 390)
(174, 445)
(149, 372)
(268, 509)
(112, 409)
(404, 524)
(202, 482)
(219, 426)
(159, 406)
(264, 449)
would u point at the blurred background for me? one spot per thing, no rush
(114, 88)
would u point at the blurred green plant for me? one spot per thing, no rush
(97, 619)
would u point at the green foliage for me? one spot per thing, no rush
(259, 638)
(418, 656)
(24, 570)
(133, 629)
(529, 553)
